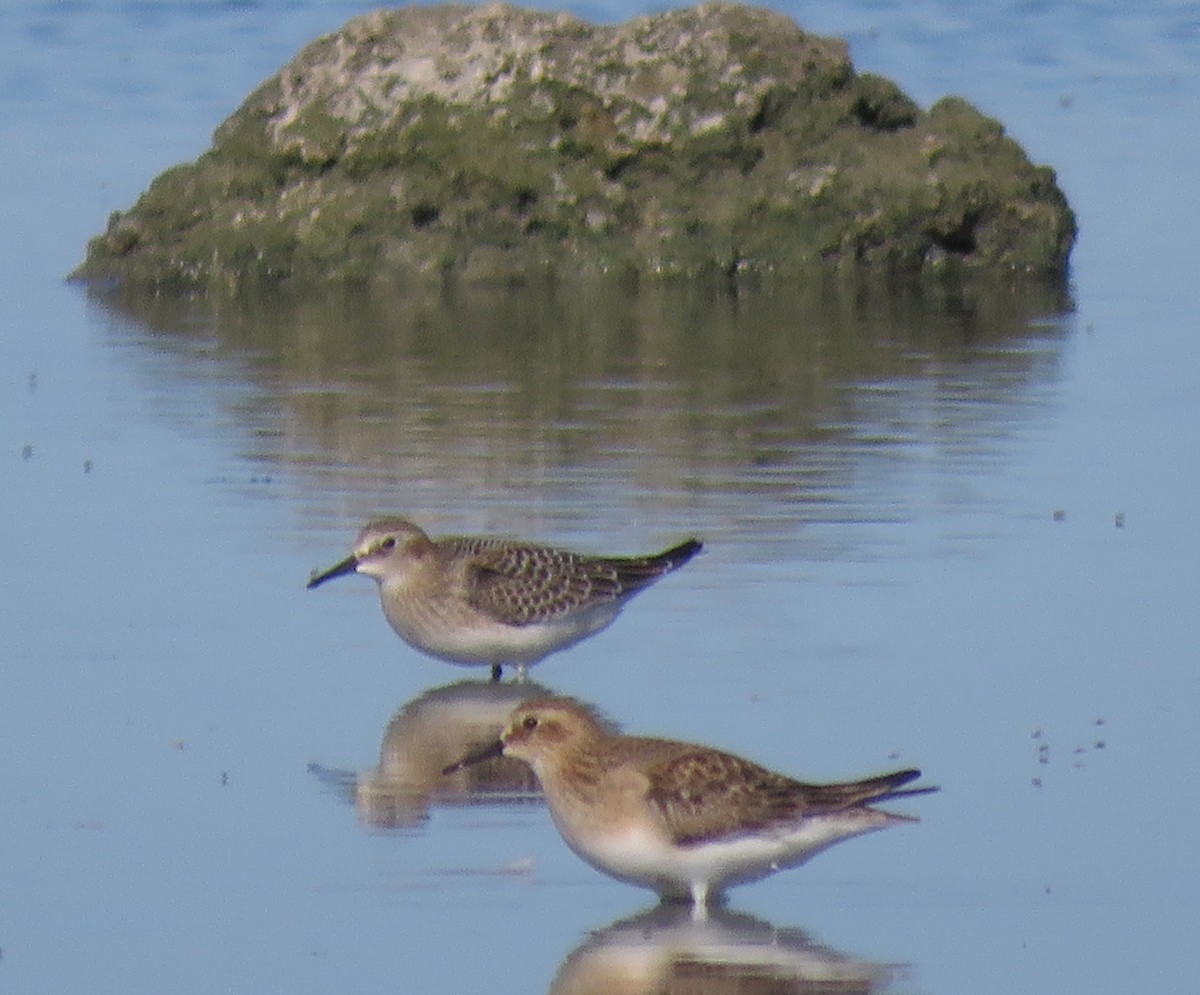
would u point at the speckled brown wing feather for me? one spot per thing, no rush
(520, 584)
(706, 794)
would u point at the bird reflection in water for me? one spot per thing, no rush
(666, 950)
(422, 738)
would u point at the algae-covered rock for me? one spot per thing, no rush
(494, 142)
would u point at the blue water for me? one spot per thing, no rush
(904, 594)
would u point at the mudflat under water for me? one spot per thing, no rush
(954, 533)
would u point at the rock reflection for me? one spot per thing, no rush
(688, 394)
(664, 950)
(433, 730)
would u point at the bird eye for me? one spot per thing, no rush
(388, 544)
(530, 722)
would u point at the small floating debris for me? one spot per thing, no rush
(521, 867)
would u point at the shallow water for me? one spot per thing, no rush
(955, 534)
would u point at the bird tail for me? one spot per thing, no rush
(677, 556)
(868, 791)
(636, 572)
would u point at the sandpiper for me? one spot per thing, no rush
(488, 601)
(686, 820)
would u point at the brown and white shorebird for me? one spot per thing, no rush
(688, 821)
(490, 601)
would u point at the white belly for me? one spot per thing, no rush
(641, 856)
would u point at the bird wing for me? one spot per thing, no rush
(522, 584)
(705, 794)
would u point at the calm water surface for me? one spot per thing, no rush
(958, 533)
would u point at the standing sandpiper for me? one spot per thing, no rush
(486, 601)
(685, 820)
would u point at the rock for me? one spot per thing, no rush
(496, 142)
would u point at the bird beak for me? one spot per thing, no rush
(347, 566)
(489, 752)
